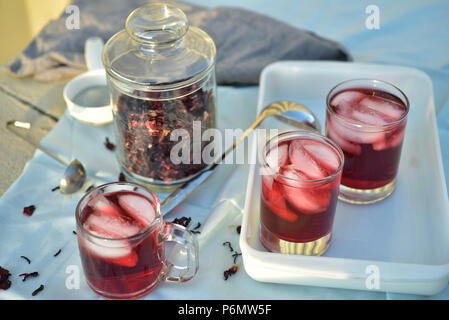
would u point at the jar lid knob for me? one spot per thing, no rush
(157, 23)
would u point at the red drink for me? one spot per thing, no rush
(121, 238)
(300, 180)
(368, 123)
(121, 267)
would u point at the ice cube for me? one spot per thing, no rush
(391, 141)
(104, 206)
(277, 156)
(380, 145)
(323, 155)
(369, 117)
(343, 109)
(391, 110)
(305, 199)
(396, 138)
(350, 97)
(113, 249)
(295, 176)
(110, 226)
(274, 199)
(138, 207)
(356, 136)
(302, 161)
(346, 145)
(117, 252)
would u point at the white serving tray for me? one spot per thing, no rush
(400, 244)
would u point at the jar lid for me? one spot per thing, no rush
(158, 48)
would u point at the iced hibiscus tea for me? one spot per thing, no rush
(120, 244)
(300, 180)
(367, 119)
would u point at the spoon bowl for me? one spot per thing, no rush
(73, 178)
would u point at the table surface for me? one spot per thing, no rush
(27, 100)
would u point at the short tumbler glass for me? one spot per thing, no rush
(367, 119)
(300, 175)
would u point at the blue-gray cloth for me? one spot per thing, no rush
(246, 41)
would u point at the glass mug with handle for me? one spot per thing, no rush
(124, 242)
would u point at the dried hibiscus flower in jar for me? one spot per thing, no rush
(144, 127)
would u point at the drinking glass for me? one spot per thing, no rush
(367, 119)
(124, 242)
(300, 177)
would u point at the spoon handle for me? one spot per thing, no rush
(27, 125)
(177, 196)
(182, 192)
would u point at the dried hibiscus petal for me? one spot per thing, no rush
(27, 259)
(28, 275)
(183, 221)
(227, 243)
(109, 145)
(232, 270)
(28, 211)
(235, 255)
(41, 287)
(4, 282)
(122, 177)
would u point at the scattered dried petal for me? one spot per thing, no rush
(238, 229)
(122, 177)
(109, 145)
(57, 253)
(235, 255)
(232, 270)
(74, 232)
(38, 290)
(29, 275)
(55, 188)
(234, 228)
(4, 282)
(227, 243)
(28, 211)
(197, 226)
(183, 221)
(27, 259)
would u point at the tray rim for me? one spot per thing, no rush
(436, 274)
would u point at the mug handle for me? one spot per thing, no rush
(175, 234)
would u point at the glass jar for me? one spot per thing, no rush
(161, 75)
